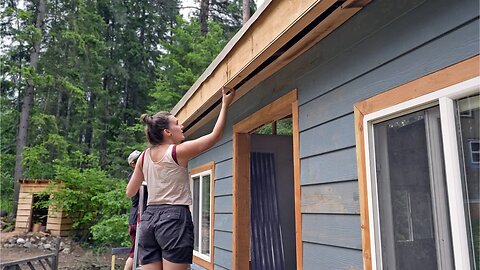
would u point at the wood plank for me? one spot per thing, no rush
(196, 267)
(202, 168)
(223, 222)
(224, 186)
(277, 110)
(218, 267)
(334, 198)
(223, 169)
(362, 189)
(217, 153)
(202, 262)
(448, 76)
(331, 257)
(309, 14)
(25, 199)
(224, 240)
(241, 201)
(23, 207)
(59, 227)
(333, 230)
(224, 259)
(330, 167)
(271, 33)
(212, 217)
(297, 179)
(385, 23)
(334, 135)
(22, 218)
(223, 204)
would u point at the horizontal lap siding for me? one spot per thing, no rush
(326, 168)
(223, 258)
(221, 154)
(426, 37)
(335, 230)
(387, 44)
(325, 257)
(197, 267)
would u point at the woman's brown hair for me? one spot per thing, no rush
(154, 126)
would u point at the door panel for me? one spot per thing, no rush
(272, 203)
(413, 212)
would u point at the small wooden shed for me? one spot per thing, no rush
(31, 192)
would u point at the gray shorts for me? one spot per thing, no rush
(166, 231)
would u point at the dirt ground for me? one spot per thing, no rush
(79, 258)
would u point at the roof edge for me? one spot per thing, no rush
(220, 57)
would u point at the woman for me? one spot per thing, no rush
(166, 228)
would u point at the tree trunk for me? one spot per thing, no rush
(204, 9)
(27, 105)
(246, 10)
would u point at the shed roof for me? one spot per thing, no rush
(38, 181)
(277, 33)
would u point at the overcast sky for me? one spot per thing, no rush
(193, 3)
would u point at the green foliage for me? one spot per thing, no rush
(39, 159)
(186, 56)
(112, 231)
(90, 197)
(99, 64)
(284, 127)
(6, 191)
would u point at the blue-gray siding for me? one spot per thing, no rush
(386, 44)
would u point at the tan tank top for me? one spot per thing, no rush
(167, 182)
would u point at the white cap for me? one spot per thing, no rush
(133, 156)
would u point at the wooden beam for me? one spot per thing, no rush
(297, 185)
(241, 201)
(202, 168)
(257, 45)
(276, 110)
(362, 189)
(279, 109)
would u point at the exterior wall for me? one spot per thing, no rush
(385, 45)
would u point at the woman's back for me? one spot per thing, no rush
(167, 182)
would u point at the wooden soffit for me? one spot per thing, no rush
(279, 31)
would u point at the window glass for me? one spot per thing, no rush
(196, 204)
(206, 215)
(201, 187)
(410, 175)
(468, 118)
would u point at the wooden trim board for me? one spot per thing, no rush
(202, 168)
(279, 109)
(261, 41)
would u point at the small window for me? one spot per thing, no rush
(475, 152)
(201, 213)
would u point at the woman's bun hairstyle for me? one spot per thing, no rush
(154, 126)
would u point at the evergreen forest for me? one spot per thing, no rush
(75, 77)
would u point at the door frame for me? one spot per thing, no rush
(279, 109)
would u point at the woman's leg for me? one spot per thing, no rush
(153, 266)
(174, 266)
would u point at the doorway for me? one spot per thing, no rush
(266, 189)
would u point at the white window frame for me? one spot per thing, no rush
(445, 99)
(201, 175)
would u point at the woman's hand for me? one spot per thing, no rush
(227, 98)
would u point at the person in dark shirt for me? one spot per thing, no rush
(134, 210)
